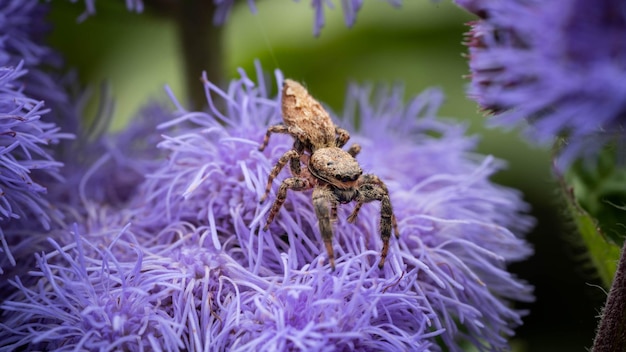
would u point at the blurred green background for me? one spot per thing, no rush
(418, 45)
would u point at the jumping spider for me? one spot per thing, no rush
(333, 173)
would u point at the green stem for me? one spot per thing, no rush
(201, 43)
(611, 334)
(603, 253)
(201, 46)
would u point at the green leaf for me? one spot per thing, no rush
(596, 200)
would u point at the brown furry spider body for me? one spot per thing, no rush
(333, 173)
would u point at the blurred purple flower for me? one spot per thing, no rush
(37, 194)
(105, 168)
(31, 104)
(223, 9)
(90, 8)
(101, 172)
(40, 118)
(558, 65)
(24, 26)
(188, 247)
(350, 9)
(31, 81)
(25, 159)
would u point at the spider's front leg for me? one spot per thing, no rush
(292, 183)
(323, 203)
(369, 179)
(372, 188)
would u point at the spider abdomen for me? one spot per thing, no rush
(301, 110)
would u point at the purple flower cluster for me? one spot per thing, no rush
(223, 8)
(557, 65)
(24, 157)
(23, 26)
(182, 263)
(28, 129)
(46, 151)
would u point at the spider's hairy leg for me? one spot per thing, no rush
(355, 211)
(368, 179)
(292, 183)
(289, 155)
(333, 211)
(323, 203)
(294, 163)
(386, 220)
(372, 188)
(354, 150)
(342, 137)
(280, 128)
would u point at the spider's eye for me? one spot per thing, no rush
(355, 176)
(329, 163)
(338, 177)
(346, 178)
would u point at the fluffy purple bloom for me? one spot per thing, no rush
(23, 140)
(23, 25)
(23, 29)
(39, 120)
(25, 159)
(100, 170)
(35, 105)
(93, 298)
(103, 167)
(558, 65)
(184, 264)
(29, 132)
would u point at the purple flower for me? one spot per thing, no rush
(456, 225)
(312, 309)
(28, 134)
(184, 264)
(223, 9)
(350, 9)
(34, 107)
(37, 116)
(90, 297)
(25, 159)
(558, 65)
(90, 8)
(24, 27)
(103, 167)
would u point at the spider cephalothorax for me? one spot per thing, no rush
(333, 173)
